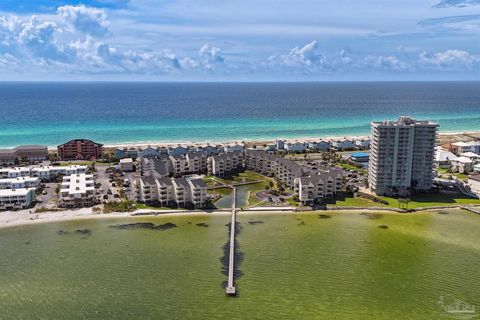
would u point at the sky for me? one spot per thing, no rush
(240, 40)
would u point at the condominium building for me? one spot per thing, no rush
(20, 183)
(182, 192)
(48, 173)
(401, 156)
(28, 152)
(319, 186)
(311, 185)
(13, 199)
(32, 152)
(7, 156)
(225, 164)
(80, 149)
(77, 190)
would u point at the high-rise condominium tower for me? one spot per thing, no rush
(401, 156)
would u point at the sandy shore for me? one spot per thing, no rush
(24, 217)
(443, 137)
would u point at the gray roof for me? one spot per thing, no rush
(198, 183)
(148, 180)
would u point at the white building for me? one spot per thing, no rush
(12, 199)
(401, 156)
(225, 164)
(316, 188)
(444, 158)
(77, 190)
(126, 164)
(462, 165)
(462, 147)
(20, 183)
(181, 192)
(343, 144)
(235, 148)
(15, 172)
(362, 143)
(46, 173)
(295, 147)
(472, 156)
(280, 144)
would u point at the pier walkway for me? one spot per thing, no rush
(471, 209)
(230, 289)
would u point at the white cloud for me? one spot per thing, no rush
(307, 56)
(391, 63)
(457, 3)
(91, 21)
(210, 56)
(450, 59)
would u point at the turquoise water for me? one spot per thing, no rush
(51, 113)
(292, 266)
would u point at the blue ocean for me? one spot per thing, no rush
(140, 112)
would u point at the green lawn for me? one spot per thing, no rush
(222, 191)
(444, 174)
(247, 176)
(434, 200)
(347, 166)
(78, 163)
(254, 188)
(419, 201)
(358, 202)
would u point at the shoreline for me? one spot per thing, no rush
(20, 218)
(446, 136)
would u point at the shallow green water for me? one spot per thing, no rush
(294, 267)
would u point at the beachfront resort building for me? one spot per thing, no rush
(77, 190)
(311, 185)
(401, 156)
(15, 199)
(80, 149)
(185, 192)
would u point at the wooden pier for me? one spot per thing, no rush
(471, 209)
(230, 289)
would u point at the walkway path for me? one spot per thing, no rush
(230, 289)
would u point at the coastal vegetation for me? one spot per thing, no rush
(121, 206)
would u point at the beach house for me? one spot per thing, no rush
(295, 147)
(343, 144)
(443, 158)
(462, 165)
